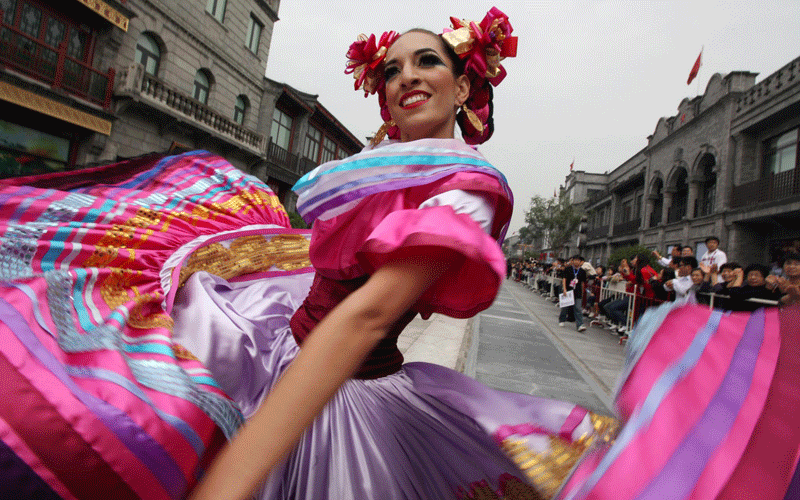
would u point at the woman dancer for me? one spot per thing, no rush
(94, 271)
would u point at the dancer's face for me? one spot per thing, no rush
(422, 92)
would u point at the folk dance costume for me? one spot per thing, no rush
(148, 307)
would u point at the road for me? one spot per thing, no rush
(518, 346)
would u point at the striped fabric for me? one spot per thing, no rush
(337, 186)
(695, 397)
(96, 400)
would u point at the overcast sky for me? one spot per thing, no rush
(590, 80)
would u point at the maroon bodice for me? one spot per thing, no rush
(327, 293)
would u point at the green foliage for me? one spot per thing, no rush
(552, 222)
(297, 221)
(628, 253)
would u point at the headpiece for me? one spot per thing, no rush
(481, 45)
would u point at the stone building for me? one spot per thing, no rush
(726, 165)
(87, 81)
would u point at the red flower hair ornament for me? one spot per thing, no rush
(482, 45)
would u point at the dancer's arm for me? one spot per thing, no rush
(330, 355)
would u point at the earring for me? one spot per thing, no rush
(381, 133)
(473, 118)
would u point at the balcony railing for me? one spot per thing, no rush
(598, 232)
(676, 212)
(53, 66)
(655, 217)
(773, 187)
(288, 161)
(627, 227)
(135, 81)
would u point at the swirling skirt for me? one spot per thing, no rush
(131, 342)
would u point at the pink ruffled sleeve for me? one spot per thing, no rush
(472, 283)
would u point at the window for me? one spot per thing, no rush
(148, 53)
(328, 150)
(239, 109)
(46, 30)
(342, 154)
(217, 9)
(781, 152)
(313, 139)
(202, 86)
(9, 10)
(254, 34)
(281, 132)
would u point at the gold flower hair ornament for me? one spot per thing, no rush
(483, 45)
(365, 60)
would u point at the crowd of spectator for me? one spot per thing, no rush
(604, 294)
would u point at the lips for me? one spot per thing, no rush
(414, 99)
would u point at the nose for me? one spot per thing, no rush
(408, 75)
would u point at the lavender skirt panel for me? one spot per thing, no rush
(424, 432)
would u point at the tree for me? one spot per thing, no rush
(551, 221)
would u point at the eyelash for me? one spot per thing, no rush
(425, 61)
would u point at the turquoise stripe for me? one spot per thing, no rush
(55, 248)
(150, 348)
(77, 299)
(95, 213)
(205, 380)
(383, 161)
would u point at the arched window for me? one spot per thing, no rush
(657, 195)
(148, 53)
(202, 86)
(239, 109)
(708, 186)
(680, 197)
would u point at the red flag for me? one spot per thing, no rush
(554, 193)
(695, 68)
(571, 165)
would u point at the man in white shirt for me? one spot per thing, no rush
(683, 282)
(714, 257)
(675, 253)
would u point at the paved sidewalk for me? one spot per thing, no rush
(440, 340)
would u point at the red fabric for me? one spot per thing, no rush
(325, 294)
(695, 68)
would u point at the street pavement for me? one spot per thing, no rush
(518, 346)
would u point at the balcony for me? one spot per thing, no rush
(773, 187)
(655, 217)
(627, 227)
(676, 212)
(52, 66)
(598, 232)
(295, 164)
(135, 82)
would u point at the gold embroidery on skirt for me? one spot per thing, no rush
(548, 470)
(247, 255)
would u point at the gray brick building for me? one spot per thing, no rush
(87, 81)
(725, 165)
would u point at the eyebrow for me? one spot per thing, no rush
(416, 53)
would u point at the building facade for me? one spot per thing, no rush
(88, 81)
(726, 165)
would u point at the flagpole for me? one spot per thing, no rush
(702, 47)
